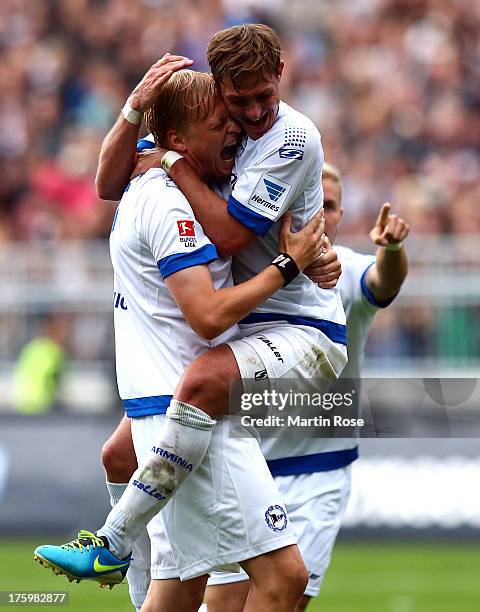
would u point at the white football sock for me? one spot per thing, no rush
(181, 447)
(116, 490)
(138, 575)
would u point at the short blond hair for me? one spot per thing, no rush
(332, 173)
(244, 50)
(186, 97)
(329, 171)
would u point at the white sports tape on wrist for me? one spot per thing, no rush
(169, 159)
(131, 115)
(393, 247)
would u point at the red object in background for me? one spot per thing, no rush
(75, 194)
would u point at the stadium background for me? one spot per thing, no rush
(394, 87)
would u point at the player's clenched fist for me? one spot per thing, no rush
(306, 245)
(326, 271)
(389, 229)
(144, 94)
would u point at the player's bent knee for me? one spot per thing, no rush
(119, 463)
(291, 580)
(284, 582)
(201, 388)
(297, 578)
(191, 388)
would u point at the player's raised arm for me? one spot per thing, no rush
(387, 274)
(117, 154)
(210, 312)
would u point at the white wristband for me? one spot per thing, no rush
(169, 159)
(131, 115)
(393, 247)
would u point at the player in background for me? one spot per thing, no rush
(316, 496)
(155, 231)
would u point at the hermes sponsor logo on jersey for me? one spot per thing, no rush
(172, 457)
(269, 196)
(274, 191)
(269, 205)
(186, 232)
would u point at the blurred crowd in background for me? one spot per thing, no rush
(393, 86)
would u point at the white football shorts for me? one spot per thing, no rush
(316, 504)
(228, 511)
(268, 352)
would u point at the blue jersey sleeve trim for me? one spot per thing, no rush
(308, 464)
(115, 218)
(369, 295)
(144, 144)
(147, 406)
(335, 331)
(258, 224)
(179, 261)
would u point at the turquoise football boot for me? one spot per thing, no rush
(86, 558)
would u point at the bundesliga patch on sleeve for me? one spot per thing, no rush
(269, 195)
(186, 232)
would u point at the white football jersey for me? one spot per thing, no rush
(282, 171)
(155, 234)
(359, 304)
(293, 453)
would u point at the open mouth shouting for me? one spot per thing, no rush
(256, 128)
(229, 150)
